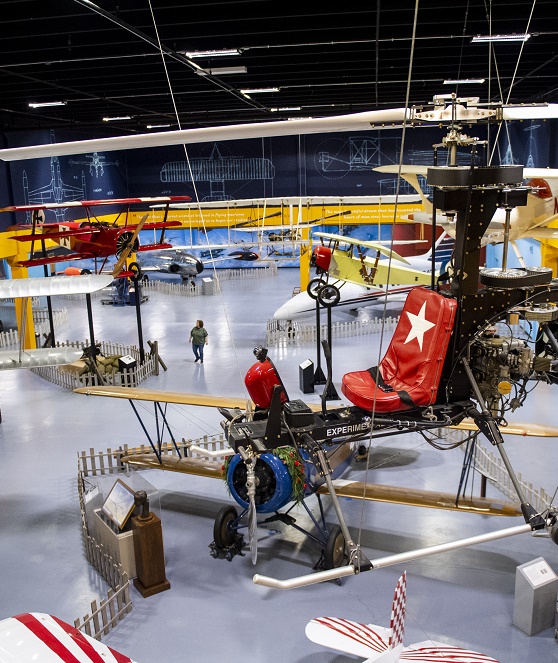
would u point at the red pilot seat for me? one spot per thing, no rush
(409, 373)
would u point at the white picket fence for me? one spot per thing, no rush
(105, 616)
(129, 377)
(118, 603)
(492, 467)
(10, 338)
(282, 332)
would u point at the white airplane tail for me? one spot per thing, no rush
(374, 643)
(397, 622)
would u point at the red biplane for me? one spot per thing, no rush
(91, 238)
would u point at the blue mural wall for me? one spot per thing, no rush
(312, 165)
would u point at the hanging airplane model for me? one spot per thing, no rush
(36, 636)
(176, 260)
(355, 293)
(529, 222)
(39, 287)
(91, 239)
(385, 645)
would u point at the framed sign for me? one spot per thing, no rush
(119, 504)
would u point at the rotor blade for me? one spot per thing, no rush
(353, 122)
(128, 249)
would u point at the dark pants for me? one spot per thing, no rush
(198, 351)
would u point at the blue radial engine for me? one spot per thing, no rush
(274, 483)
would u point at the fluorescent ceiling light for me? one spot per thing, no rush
(514, 37)
(222, 71)
(47, 103)
(459, 81)
(157, 126)
(285, 108)
(260, 89)
(219, 53)
(119, 117)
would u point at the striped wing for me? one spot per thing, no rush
(429, 651)
(348, 636)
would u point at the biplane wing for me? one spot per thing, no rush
(175, 397)
(375, 246)
(359, 490)
(94, 203)
(343, 488)
(10, 359)
(53, 285)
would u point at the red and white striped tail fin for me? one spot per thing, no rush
(397, 623)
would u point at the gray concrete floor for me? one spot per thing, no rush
(213, 611)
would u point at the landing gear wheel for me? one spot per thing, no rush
(134, 267)
(335, 553)
(223, 535)
(329, 296)
(314, 287)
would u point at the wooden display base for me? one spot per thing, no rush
(150, 559)
(154, 589)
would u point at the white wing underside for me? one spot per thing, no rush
(54, 285)
(10, 359)
(371, 642)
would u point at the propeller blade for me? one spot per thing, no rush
(252, 515)
(128, 249)
(252, 526)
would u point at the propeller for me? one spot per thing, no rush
(129, 246)
(250, 462)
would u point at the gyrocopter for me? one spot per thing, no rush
(454, 356)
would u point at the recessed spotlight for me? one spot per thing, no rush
(463, 81)
(117, 118)
(257, 90)
(217, 53)
(44, 104)
(514, 37)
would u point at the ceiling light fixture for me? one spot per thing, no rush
(157, 126)
(514, 37)
(222, 71)
(44, 104)
(285, 108)
(259, 89)
(465, 81)
(119, 117)
(219, 53)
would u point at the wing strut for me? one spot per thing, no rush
(485, 422)
(159, 414)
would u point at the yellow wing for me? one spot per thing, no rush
(179, 398)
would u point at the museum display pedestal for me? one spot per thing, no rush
(536, 588)
(150, 561)
(120, 546)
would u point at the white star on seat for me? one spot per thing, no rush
(419, 326)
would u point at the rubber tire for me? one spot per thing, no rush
(222, 534)
(314, 287)
(329, 296)
(335, 553)
(135, 267)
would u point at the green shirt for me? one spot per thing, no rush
(198, 334)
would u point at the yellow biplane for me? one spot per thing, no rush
(347, 260)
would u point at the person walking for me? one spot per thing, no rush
(198, 338)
